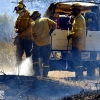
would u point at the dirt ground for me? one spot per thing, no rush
(39, 88)
(56, 87)
(32, 88)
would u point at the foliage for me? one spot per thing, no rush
(6, 28)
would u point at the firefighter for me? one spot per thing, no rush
(23, 28)
(78, 39)
(41, 42)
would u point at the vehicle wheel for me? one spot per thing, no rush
(90, 69)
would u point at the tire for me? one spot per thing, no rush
(90, 66)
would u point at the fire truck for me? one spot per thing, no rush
(60, 58)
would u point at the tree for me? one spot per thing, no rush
(6, 28)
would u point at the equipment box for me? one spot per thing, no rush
(59, 40)
(93, 41)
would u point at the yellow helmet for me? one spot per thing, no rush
(76, 5)
(20, 7)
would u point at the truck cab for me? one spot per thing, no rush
(60, 58)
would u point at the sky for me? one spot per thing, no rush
(6, 6)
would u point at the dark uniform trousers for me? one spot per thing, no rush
(42, 52)
(23, 45)
(77, 61)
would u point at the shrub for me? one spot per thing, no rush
(6, 28)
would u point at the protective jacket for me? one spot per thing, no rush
(79, 32)
(24, 25)
(41, 31)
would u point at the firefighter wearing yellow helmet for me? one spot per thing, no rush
(78, 38)
(41, 41)
(20, 7)
(23, 29)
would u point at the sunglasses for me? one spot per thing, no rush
(17, 9)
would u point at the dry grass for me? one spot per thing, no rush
(61, 74)
(7, 57)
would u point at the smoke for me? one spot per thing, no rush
(26, 68)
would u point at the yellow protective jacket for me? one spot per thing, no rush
(24, 25)
(79, 32)
(41, 31)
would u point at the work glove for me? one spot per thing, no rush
(51, 30)
(17, 31)
(69, 37)
(16, 40)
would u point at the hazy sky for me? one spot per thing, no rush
(6, 6)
